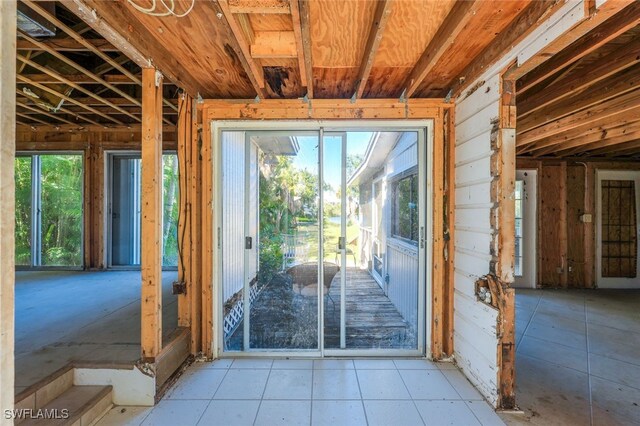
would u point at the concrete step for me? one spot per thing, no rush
(77, 406)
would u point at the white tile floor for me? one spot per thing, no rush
(315, 392)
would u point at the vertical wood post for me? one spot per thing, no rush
(7, 201)
(184, 218)
(151, 244)
(438, 271)
(503, 189)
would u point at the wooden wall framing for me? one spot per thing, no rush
(562, 200)
(325, 109)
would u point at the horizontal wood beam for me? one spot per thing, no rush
(278, 109)
(617, 85)
(63, 79)
(68, 45)
(608, 128)
(612, 28)
(115, 79)
(625, 105)
(619, 60)
(383, 11)
(458, 17)
(274, 44)
(40, 111)
(588, 23)
(527, 21)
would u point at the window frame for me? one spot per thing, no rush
(394, 182)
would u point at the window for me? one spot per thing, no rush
(619, 229)
(404, 218)
(49, 210)
(519, 199)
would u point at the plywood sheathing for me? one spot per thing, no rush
(7, 201)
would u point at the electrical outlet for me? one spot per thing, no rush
(586, 218)
(559, 270)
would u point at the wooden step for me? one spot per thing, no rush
(83, 404)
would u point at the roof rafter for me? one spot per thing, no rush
(623, 21)
(380, 18)
(242, 48)
(458, 17)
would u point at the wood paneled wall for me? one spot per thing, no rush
(566, 245)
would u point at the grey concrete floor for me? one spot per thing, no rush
(578, 357)
(73, 316)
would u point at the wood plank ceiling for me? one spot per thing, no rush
(585, 101)
(247, 48)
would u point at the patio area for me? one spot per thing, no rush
(282, 317)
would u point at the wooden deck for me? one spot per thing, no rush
(372, 321)
(284, 319)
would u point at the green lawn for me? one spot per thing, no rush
(331, 234)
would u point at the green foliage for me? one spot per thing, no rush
(23, 210)
(171, 209)
(286, 195)
(61, 184)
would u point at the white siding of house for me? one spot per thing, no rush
(475, 338)
(233, 212)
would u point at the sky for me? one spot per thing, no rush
(307, 157)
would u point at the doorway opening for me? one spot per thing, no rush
(124, 210)
(322, 246)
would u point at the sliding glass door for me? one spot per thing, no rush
(49, 210)
(124, 210)
(321, 235)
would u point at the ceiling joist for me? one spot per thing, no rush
(458, 17)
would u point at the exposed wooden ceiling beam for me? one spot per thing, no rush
(528, 20)
(305, 39)
(383, 11)
(80, 28)
(618, 60)
(602, 139)
(63, 110)
(458, 17)
(80, 68)
(242, 49)
(116, 79)
(625, 149)
(66, 98)
(588, 23)
(97, 23)
(63, 79)
(29, 117)
(612, 28)
(135, 110)
(259, 6)
(41, 111)
(68, 45)
(619, 84)
(89, 16)
(71, 33)
(623, 108)
(297, 32)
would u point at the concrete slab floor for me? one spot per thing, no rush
(577, 357)
(65, 316)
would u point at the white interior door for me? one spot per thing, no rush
(525, 228)
(617, 210)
